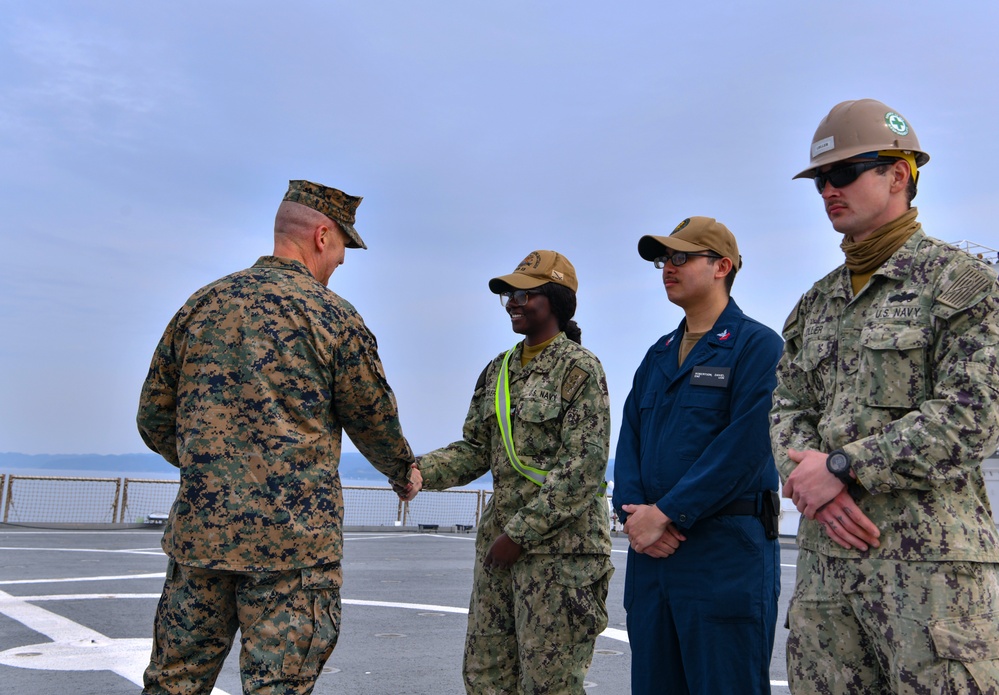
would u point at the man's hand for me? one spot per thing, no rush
(645, 526)
(667, 544)
(846, 525)
(810, 485)
(502, 553)
(414, 483)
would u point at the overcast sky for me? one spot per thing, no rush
(146, 146)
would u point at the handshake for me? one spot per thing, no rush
(413, 484)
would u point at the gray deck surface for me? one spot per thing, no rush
(76, 613)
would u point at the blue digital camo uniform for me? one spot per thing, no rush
(247, 393)
(532, 628)
(903, 377)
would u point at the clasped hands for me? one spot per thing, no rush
(651, 532)
(414, 483)
(821, 496)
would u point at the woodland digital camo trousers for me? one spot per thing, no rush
(885, 626)
(532, 628)
(289, 623)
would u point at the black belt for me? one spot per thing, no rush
(738, 508)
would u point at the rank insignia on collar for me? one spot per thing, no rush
(724, 335)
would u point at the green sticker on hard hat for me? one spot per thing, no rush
(896, 123)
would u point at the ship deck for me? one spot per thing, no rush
(77, 605)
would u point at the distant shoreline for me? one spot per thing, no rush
(354, 469)
(89, 473)
(174, 474)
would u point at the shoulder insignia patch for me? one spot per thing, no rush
(792, 318)
(481, 382)
(573, 382)
(960, 292)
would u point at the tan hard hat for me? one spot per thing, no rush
(856, 127)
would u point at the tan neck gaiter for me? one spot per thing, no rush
(864, 257)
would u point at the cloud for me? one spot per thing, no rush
(73, 80)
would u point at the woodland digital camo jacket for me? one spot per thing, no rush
(904, 378)
(562, 425)
(247, 393)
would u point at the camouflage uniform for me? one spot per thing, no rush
(532, 628)
(247, 393)
(903, 378)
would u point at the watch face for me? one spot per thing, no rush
(838, 463)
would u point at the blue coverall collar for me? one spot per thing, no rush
(722, 336)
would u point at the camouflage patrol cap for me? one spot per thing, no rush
(693, 235)
(539, 268)
(335, 204)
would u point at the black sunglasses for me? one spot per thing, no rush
(848, 173)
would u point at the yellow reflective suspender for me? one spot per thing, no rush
(502, 402)
(506, 428)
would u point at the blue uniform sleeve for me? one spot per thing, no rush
(628, 488)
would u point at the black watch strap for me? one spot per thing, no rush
(838, 463)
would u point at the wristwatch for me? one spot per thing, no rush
(838, 463)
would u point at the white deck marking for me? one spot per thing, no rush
(74, 647)
(60, 580)
(150, 551)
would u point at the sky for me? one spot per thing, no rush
(147, 145)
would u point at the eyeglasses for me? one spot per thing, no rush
(848, 173)
(517, 297)
(678, 258)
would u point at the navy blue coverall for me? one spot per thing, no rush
(694, 439)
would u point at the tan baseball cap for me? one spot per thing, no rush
(539, 268)
(694, 234)
(335, 204)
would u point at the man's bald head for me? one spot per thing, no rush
(295, 221)
(306, 235)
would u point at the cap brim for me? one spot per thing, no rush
(651, 247)
(515, 281)
(356, 242)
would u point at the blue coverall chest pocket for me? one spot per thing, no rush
(703, 412)
(648, 400)
(647, 415)
(709, 397)
(652, 421)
